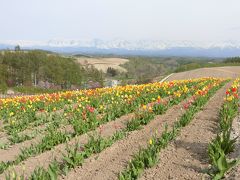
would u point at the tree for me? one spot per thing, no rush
(232, 60)
(111, 71)
(30, 67)
(17, 48)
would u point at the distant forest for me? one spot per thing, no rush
(28, 68)
(232, 60)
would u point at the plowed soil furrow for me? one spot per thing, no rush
(2, 134)
(187, 157)
(45, 158)
(111, 161)
(11, 153)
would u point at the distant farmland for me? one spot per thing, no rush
(103, 63)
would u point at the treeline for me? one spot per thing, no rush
(191, 65)
(232, 60)
(143, 69)
(28, 68)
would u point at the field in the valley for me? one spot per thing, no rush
(151, 131)
(103, 63)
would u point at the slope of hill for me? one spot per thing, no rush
(218, 72)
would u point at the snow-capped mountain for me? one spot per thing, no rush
(132, 47)
(124, 44)
(141, 44)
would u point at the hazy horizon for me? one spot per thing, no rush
(164, 20)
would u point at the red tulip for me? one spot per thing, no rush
(234, 89)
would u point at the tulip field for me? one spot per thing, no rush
(113, 133)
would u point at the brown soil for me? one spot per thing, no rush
(218, 72)
(12, 152)
(114, 159)
(235, 172)
(187, 157)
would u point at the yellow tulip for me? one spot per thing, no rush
(150, 141)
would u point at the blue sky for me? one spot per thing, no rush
(193, 20)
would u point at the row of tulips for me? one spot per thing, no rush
(101, 103)
(110, 108)
(144, 114)
(94, 97)
(224, 144)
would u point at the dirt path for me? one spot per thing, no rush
(114, 159)
(187, 157)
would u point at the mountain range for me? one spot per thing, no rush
(125, 47)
